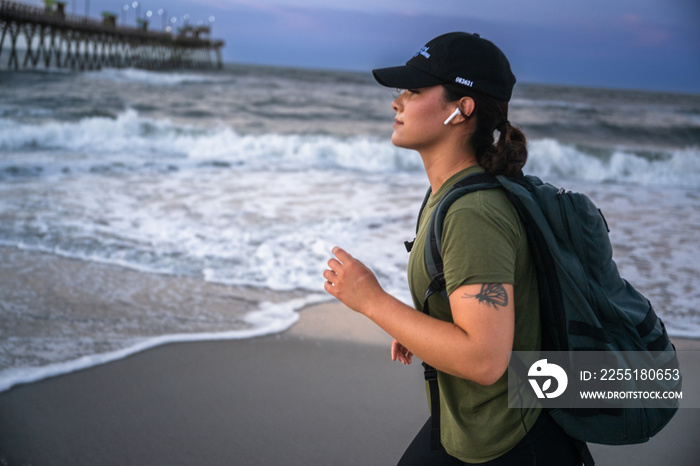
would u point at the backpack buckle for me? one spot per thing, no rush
(429, 372)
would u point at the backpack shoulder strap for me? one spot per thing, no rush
(409, 244)
(521, 193)
(433, 241)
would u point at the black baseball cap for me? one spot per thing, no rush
(461, 59)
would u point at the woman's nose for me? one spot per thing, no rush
(395, 104)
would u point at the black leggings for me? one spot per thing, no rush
(545, 445)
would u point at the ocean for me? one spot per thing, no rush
(245, 178)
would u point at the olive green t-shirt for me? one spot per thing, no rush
(483, 241)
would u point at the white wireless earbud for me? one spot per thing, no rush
(454, 114)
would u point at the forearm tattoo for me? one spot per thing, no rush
(491, 294)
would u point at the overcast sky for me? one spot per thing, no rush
(638, 44)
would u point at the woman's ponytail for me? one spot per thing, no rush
(509, 154)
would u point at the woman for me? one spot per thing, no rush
(457, 92)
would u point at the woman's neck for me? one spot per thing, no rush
(440, 166)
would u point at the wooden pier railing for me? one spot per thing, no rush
(32, 37)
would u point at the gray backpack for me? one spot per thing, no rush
(584, 303)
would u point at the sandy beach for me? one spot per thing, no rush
(324, 392)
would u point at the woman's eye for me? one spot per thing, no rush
(399, 92)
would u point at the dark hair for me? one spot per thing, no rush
(508, 154)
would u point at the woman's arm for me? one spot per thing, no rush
(475, 347)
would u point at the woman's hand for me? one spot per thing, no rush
(400, 352)
(351, 282)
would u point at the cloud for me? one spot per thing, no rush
(642, 33)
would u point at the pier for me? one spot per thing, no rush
(33, 37)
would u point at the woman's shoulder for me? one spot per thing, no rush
(484, 209)
(488, 201)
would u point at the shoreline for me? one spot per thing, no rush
(60, 293)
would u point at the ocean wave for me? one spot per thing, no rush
(551, 104)
(131, 142)
(155, 78)
(550, 158)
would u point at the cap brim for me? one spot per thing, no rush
(405, 77)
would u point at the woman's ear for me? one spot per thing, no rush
(466, 105)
